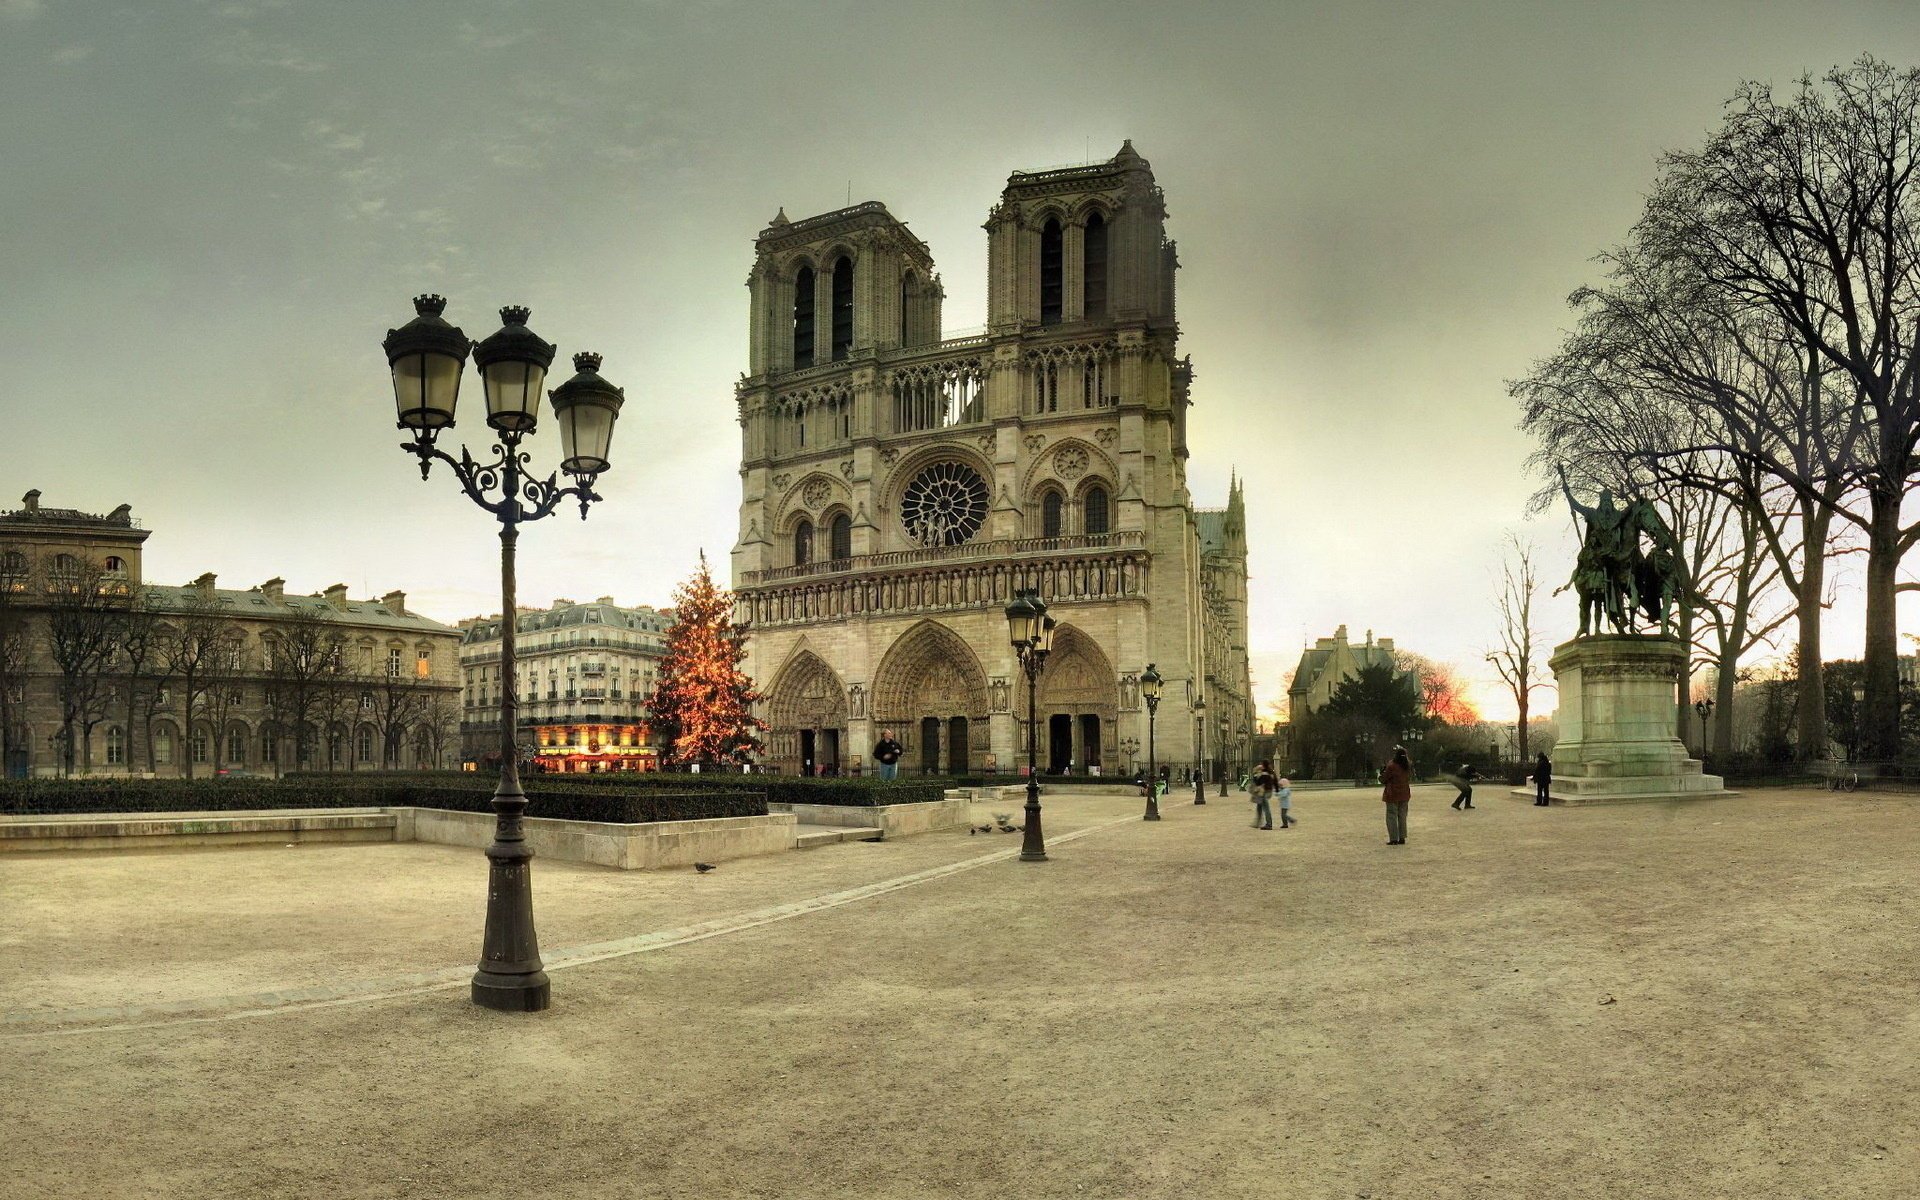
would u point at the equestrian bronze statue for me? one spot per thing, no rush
(1614, 575)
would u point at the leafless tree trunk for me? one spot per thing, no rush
(84, 606)
(1516, 657)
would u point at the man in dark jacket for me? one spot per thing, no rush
(887, 753)
(1542, 780)
(1463, 780)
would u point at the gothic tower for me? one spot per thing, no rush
(896, 487)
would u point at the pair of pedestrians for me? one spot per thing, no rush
(1263, 785)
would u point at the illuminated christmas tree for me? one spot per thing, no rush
(703, 704)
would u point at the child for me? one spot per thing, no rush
(1286, 804)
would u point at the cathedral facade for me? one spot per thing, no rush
(897, 488)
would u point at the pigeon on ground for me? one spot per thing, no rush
(703, 868)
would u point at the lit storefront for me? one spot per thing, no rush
(583, 749)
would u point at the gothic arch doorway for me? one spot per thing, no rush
(1079, 702)
(807, 718)
(931, 692)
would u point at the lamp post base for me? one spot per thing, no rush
(1033, 846)
(513, 993)
(1153, 808)
(1199, 789)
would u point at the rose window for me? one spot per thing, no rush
(944, 505)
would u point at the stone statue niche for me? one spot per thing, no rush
(1619, 689)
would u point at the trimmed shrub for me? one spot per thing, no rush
(461, 793)
(779, 789)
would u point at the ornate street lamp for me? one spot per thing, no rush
(1031, 631)
(1705, 709)
(1200, 749)
(1225, 725)
(1150, 691)
(426, 356)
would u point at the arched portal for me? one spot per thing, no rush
(1079, 702)
(931, 692)
(807, 718)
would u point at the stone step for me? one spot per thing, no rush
(806, 837)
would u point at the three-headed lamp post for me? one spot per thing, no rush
(1150, 682)
(427, 356)
(1031, 631)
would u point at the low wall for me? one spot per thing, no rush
(629, 847)
(154, 831)
(892, 820)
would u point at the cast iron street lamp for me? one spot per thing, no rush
(1199, 749)
(1225, 726)
(1150, 692)
(1705, 709)
(1031, 630)
(427, 356)
(1130, 746)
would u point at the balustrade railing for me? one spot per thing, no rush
(1127, 539)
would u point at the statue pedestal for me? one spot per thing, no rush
(1616, 724)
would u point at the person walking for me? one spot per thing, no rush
(887, 753)
(1463, 780)
(1285, 796)
(1397, 790)
(1542, 781)
(1261, 786)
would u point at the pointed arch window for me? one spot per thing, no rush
(842, 308)
(841, 537)
(1052, 513)
(803, 543)
(1094, 267)
(1052, 267)
(1094, 515)
(803, 318)
(908, 294)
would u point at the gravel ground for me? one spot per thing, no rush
(1709, 999)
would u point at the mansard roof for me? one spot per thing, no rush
(256, 605)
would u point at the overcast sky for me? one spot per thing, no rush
(210, 214)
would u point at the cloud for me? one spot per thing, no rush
(473, 37)
(329, 136)
(241, 48)
(66, 56)
(21, 10)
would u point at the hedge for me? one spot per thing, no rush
(466, 793)
(779, 789)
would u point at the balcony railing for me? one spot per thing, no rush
(1129, 539)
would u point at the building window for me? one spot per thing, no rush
(842, 536)
(116, 747)
(1052, 260)
(1093, 382)
(1094, 266)
(366, 701)
(423, 664)
(803, 318)
(908, 291)
(393, 661)
(1052, 508)
(116, 564)
(13, 563)
(269, 748)
(842, 308)
(1046, 387)
(1094, 511)
(363, 744)
(803, 543)
(237, 747)
(163, 747)
(198, 746)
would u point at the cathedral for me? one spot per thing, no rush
(897, 487)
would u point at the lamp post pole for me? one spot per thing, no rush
(1031, 631)
(1200, 749)
(1150, 682)
(1705, 709)
(1224, 748)
(427, 357)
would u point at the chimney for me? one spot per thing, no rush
(274, 589)
(604, 600)
(1340, 634)
(1386, 645)
(337, 596)
(204, 584)
(32, 500)
(396, 603)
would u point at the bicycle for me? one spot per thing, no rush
(1843, 780)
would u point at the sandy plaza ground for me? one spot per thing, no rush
(1710, 999)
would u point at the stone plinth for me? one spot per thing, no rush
(1617, 714)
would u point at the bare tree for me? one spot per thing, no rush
(195, 648)
(142, 669)
(84, 606)
(1808, 211)
(15, 644)
(303, 656)
(1517, 657)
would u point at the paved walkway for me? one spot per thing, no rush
(1711, 999)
